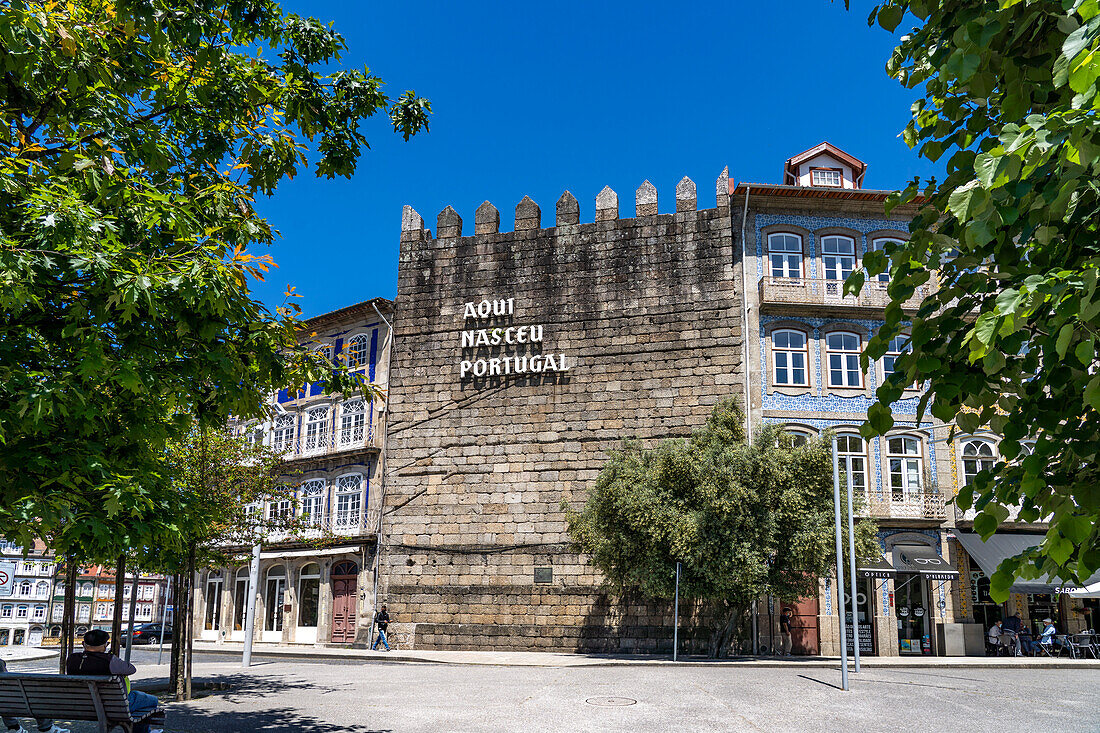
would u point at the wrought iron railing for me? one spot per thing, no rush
(906, 505)
(813, 291)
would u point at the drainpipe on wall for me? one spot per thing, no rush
(745, 321)
(387, 347)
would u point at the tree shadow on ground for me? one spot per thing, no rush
(193, 719)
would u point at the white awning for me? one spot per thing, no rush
(1089, 591)
(279, 554)
(989, 554)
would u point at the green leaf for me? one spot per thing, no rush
(964, 202)
(1085, 351)
(854, 283)
(1058, 548)
(889, 17)
(1092, 393)
(1076, 528)
(879, 418)
(1065, 336)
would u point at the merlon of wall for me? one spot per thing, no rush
(529, 215)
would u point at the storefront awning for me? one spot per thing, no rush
(989, 554)
(1089, 591)
(924, 560)
(876, 569)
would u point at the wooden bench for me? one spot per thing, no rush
(71, 697)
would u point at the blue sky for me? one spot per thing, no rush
(536, 98)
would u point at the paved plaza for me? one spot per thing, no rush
(326, 696)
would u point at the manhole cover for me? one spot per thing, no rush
(611, 702)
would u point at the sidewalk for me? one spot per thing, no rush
(24, 653)
(552, 659)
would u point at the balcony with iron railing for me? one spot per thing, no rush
(790, 293)
(339, 523)
(906, 505)
(327, 441)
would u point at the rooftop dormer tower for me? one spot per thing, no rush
(824, 166)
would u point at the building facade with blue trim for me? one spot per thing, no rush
(317, 584)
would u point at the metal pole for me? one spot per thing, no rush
(840, 572)
(250, 616)
(676, 616)
(852, 569)
(164, 618)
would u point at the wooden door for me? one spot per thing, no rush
(804, 636)
(343, 609)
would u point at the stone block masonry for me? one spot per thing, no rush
(623, 328)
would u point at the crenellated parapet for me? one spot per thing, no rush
(567, 211)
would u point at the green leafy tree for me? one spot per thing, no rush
(134, 137)
(744, 521)
(1008, 337)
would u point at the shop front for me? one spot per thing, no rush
(919, 595)
(1033, 600)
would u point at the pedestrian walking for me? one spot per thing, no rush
(785, 633)
(382, 621)
(43, 725)
(94, 659)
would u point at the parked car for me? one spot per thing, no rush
(147, 634)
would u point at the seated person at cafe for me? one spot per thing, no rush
(1047, 637)
(994, 634)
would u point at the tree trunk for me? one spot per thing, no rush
(133, 612)
(68, 621)
(190, 621)
(726, 624)
(116, 620)
(175, 653)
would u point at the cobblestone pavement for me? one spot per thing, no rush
(296, 695)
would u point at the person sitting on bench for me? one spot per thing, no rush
(44, 725)
(95, 660)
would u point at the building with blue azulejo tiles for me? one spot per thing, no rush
(331, 445)
(801, 239)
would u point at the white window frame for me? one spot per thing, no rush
(22, 610)
(837, 262)
(42, 589)
(312, 506)
(353, 423)
(25, 589)
(788, 353)
(357, 350)
(282, 433)
(908, 465)
(279, 508)
(877, 245)
(349, 501)
(315, 437)
(790, 261)
(851, 453)
(848, 360)
(39, 612)
(7, 610)
(898, 345)
(978, 454)
(830, 172)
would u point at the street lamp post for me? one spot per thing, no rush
(840, 571)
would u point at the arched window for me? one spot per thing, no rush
(343, 569)
(316, 432)
(1026, 449)
(790, 355)
(906, 464)
(87, 589)
(349, 500)
(894, 349)
(313, 502)
(279, 509)
(358, 350)
(797, 436)
(842, 354)
(978, 456)
(240, 597)
(879, 245)
(785, 255)
(839, 256)
(25, 588)
(282, 433)
(353, 421)
(852, 457)
(42, 590)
